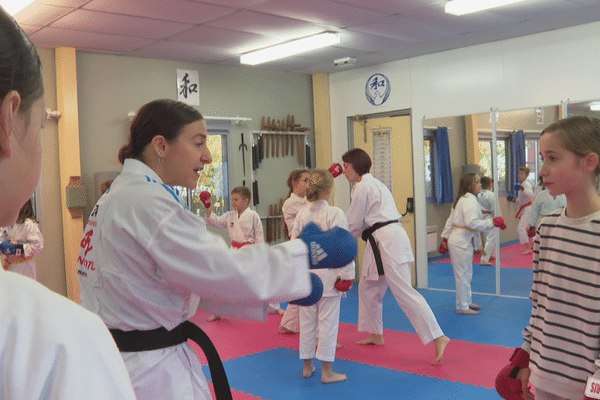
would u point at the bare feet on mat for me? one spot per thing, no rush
(440, 347)
(308, 370)
(280, 311)
(467, 312)
(485, 263)
(213, 318)
(527, 251)
(474, 306)
(373, 339)
(285, 330)
(332, 377)
(339, 345)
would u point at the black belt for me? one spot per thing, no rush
(132, 341)
(367, 234)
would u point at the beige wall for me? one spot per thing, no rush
(110, 86)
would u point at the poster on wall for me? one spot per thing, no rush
(187, 87)
(377, 90)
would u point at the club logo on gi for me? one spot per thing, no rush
(377, 89)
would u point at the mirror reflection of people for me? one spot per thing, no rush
(373, 209)
(524, 200)
(24, 231)
(51, 347)
(466, 221)
(489, 209)
(147, 263)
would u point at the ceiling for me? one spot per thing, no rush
(219, 31)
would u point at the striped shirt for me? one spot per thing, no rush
(563, 336)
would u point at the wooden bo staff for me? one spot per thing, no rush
(272, 145)
(278, 143)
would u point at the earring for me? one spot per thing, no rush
(161, 158)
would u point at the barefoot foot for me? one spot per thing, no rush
(474, 306)
(308, 371)
(373, 339)
(467, 312)
(285, 330)
(339, 345)
(213, 318)
(440, 347)
(333, 377)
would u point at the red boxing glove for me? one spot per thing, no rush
(531, 231)
(205, 198)
(443, 249)
(507, 384)
(343, 285)
(336, 170)
(499, 222)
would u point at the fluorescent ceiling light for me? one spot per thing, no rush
(595, 106)
(461, 7)
(290, 48)
(14, 6)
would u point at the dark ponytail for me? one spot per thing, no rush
(163, 117)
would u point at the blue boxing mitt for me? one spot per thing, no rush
(334, 248)
(511, 198)
(11, 249)
(518, 187)
(315, 295)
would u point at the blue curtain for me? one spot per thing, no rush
(444, 191)
(517, 156)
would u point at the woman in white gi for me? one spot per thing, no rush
(51, 348)
(466, 221)
(320, 322)
(372, 203)
(298, 184)
(544, 204)
(26, 232)
(147, 264)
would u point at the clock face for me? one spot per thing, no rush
(377, 89)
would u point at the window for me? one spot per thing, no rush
(533, 160)
(485, 160)
(214, 178)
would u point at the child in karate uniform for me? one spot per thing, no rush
(26, 232)
(464, 222)
(489, 209)
(243, 226)
(523, 199)
(298, 183)
(319, 323)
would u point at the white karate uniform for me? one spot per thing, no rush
(372, 202)
(524, 197)
(245, 228)
(28, 233)
(147, 262)
(464, 222)
(291, 207)
(544, 204)
(322, 320)
(53, 349)
(487, 201)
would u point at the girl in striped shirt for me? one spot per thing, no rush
(563, 336)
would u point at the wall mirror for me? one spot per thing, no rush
(471, 141)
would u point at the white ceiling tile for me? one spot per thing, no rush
(209, 36)
(368, 42)
(527, 10)
(93, 21)
(173, 10)
(268, 25)
(63, 3)
(240, 4)
(181, 51)
(390, 6)
(53, 37)
(40, 15)
(403, 28)
(323, 12)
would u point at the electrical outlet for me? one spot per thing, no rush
(410, 205)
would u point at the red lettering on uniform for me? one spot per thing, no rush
(595, 388)
(86, 263)
(85, 242)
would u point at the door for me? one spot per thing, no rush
(388, 141)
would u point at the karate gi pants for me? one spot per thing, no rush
(322, 321)
(170, 373)
(490, 244)
(412, 303)
(523, 224)
(462, 264)
(291, 318)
